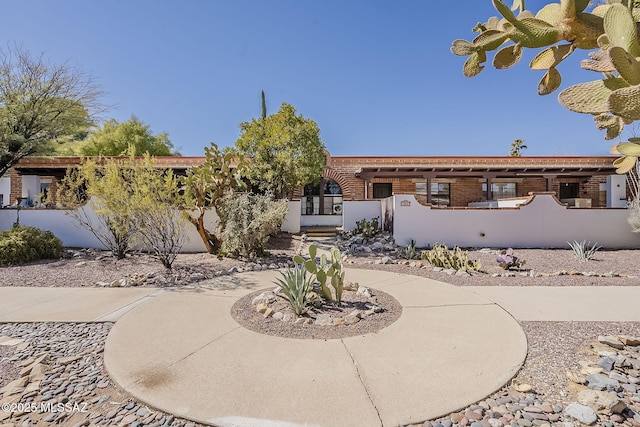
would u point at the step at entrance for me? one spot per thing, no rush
(322, 231)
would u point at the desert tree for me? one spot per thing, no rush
(40, 103)
(129, 203)
(115, 138)
(283, 150)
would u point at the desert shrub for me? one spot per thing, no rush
(457, 259)
(634, 215)
(250, 219)
(108, 188)
(158, 225)
(584, 251)
(297, 287)
(507, 260)
(132, 205)
(20, 245)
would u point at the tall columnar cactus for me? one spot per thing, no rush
(614, 101)
(327, 268)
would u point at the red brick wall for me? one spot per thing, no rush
(343, 169)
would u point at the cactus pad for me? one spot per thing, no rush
(625, 102)
(507, 56)
(590, 97)
(625, 64)
(549, 82)
(551, 57)
(621, 29)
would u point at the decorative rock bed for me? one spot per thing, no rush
(362, 311)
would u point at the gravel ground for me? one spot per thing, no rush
(554, 347)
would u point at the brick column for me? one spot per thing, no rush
(16, 187)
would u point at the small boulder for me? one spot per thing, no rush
(582, 413)
(611, 342)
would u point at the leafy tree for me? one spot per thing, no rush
(115, 139)
(41, 102)
(132, 203)
(285, 151)
(516, 148)
(609, 26)
(205, 187)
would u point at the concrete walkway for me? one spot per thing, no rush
(180, 351)
(565, 303)
(27, 304)
(183, 353)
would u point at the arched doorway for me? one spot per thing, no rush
(321, 204)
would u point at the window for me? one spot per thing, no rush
(327, 203)
(501, 190)
(440, 194)
(382, 190)
(568, 190)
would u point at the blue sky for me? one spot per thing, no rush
(376, 76)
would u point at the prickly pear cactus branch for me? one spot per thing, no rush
(561, 28)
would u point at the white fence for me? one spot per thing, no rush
(541, 223)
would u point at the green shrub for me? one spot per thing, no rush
(249, 221)
(20, 245)
(441, 256)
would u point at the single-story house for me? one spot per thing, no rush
(357, 187)
(440, 181)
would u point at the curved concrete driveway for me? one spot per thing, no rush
(182, 352)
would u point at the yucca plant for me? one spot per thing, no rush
(584, 250)
(297, 288)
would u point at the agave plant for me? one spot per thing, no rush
(297, 287)
(584, 251)
(614, 101)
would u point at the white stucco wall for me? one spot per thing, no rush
(69, 231)
(542, 223)
(356, 210)
(291, 222)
